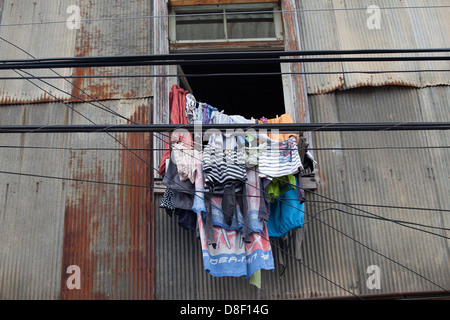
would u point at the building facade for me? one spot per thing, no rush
(378, 204)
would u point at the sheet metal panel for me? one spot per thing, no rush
(39, 40)
(107, 227)
(47, 225)
(107, 29)
(32, 208)
(111, 37)
(385, 177)
(338, 25)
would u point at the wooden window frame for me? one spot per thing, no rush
(225, 44)
(176, 3)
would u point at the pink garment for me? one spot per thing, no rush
(177, 108)
(184, 157)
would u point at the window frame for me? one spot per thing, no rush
(236, 44)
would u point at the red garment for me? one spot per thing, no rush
(177, 109)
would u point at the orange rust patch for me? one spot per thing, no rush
(106, 227)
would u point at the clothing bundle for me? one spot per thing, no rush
(236, 192)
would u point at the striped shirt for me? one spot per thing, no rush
(280, 159)
(223, 166)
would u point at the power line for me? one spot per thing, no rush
(282, 127)
(319, 220)
(177, 126)
(228, 74)
(164, 149)
(364, 211)
(225, 55)
(147, 60)
(221, 14)
(253, 125)
(299, 261)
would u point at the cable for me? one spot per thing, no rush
(40, 128)
(299, 261)
(235, 55)
(175, 182)
(57, 63)
(164, 149)
(283, 127)
(374, 215)
(221, 14)
(325, 278)
(230, 74)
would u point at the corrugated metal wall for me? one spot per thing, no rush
(47, 225)
(38, 40)
(389, 177)
(342, 25)
(102, 226)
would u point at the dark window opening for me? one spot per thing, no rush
(246, 95)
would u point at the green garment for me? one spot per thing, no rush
(255, 279)
(280, 185)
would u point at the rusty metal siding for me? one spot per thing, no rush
(100, 34)
(110, 38)
(338, 25)
(32, 208)
(47, 225)
(386, 177)
(39, 40)
(107, 227)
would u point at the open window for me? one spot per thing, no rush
(250, 90)
(247, 90)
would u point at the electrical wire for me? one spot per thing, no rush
(175, 182)
(282, 127)
(396, 262)
(295, 259)
(309, 200)
(167, 149)
(372, 214)
(118, 62)
(230, 74)
(222, 13)
(40, 128)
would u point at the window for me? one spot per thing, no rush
(244, 94)
(236, 26)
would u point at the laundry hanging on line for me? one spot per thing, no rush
(222, 187)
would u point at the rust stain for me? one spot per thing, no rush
(106, 228)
